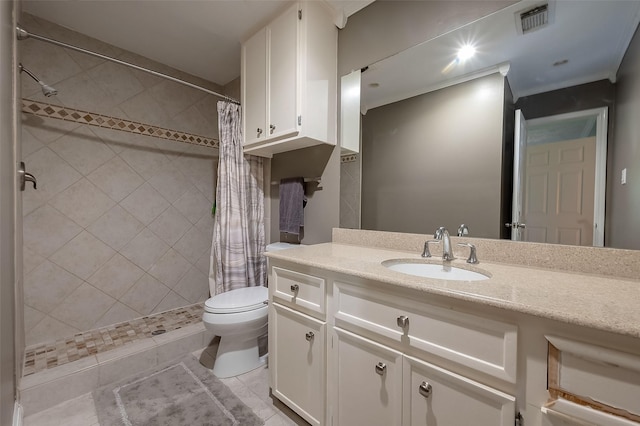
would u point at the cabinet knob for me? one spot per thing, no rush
(309, 336)
(403, 321)
(259, 131)
(295, 288)
(425, 389)
(272, 127)
(381, 367)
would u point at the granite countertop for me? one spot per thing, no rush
(604, 303)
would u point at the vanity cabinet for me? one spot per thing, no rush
(289, 81)
(297, 342)
(384, 378)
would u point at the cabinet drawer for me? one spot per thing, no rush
(603, 379)
(303, 292)
(434, 396)
(485, 345)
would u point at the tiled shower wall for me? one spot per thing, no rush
(350, 178)
(120, 225)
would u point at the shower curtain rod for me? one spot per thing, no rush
(24, 34)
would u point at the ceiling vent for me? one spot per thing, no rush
(534, 18)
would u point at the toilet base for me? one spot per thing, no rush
(236, 357)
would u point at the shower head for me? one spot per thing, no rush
(47, 90)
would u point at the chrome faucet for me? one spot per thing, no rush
(442, 234)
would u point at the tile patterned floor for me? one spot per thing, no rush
(251, 388)
(82, 345)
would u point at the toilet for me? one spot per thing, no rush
(239, 317)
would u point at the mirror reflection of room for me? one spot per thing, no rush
(438, 126)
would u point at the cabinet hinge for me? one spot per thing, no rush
(519, 419)
(300, 14)
(299, 120)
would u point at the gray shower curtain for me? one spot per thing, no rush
(238, 243)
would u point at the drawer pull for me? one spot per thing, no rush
(425, 389)
(403, 321)
(309, 336)
(295, 288)
(381, 367)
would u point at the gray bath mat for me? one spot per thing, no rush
(180, 393)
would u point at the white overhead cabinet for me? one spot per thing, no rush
(289, 77)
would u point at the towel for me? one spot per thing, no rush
(292, 201)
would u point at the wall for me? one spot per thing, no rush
(8, 278)
(623, 201)
(120, 226)
(436, 160)
(322, 212)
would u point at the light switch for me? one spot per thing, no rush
(623, 177)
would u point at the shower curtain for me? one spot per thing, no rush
(238, 243)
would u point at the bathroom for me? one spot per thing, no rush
(183, 217)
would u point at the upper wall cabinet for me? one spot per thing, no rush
(289, 77)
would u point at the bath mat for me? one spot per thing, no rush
(182, 392)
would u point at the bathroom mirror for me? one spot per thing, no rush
(575, 56)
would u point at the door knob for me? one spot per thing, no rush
(380, 368)
(402, 321)
(259, 131)
(26, 177)
(295, 288)
(272, 127)
(309, 336)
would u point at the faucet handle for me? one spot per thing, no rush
(438, 234)
(463, 230)
(426, 252)
(473, 259)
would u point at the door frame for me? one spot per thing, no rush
(602, 116)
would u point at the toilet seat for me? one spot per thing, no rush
(239, 300)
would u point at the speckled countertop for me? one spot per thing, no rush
(601, 302)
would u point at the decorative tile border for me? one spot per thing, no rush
(49, 355)
(350, 158)
(93, 119)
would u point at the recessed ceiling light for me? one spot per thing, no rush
(562, 62)
(466, 52)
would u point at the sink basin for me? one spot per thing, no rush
(438, 271)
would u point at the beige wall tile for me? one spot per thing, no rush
(46, 230)
(170, 182)
(83, 255)
(116, 276)
(116, 179)
(145, 249)
(194, 286)
(116, 227)
(82, 202)
(171, 225)
(145, 203)
(145, 295)
(193, 244)
(192, 204)
(117, 81)
(171, 301)
(83, 307)
(83, 150)
(31, 317)
(48, 285)
(170, 268)
(48, 329)
(119, 312)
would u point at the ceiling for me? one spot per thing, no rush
(200, 37)
(592, 36)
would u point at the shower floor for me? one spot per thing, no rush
(82, 345)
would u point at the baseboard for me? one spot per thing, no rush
(17, 414)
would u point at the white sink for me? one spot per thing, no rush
(438, 271)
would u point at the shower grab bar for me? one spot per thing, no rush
(23, 34)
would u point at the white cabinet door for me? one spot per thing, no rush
(283, 75)
(254, 87)
(437, 397)
(369, 382)
(298, 360)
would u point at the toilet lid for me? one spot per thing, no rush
(239, 300)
